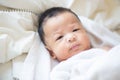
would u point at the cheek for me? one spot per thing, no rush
(61, 50)
(86, 41)
(83, 38)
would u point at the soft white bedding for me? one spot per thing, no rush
(21, 56)
(93, 64)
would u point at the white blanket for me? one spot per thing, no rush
(93, 64)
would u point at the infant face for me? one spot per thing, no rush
(65, 36)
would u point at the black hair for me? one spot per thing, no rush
(51, 12)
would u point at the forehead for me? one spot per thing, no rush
(59, 21)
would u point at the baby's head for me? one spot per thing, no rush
(62, 33)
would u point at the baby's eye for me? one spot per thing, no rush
(75, 30)
(59, 38)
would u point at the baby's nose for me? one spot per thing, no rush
(71, 37)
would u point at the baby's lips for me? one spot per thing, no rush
(76, 46)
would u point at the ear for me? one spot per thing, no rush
(51, 52)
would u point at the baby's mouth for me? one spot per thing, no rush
(75, 47)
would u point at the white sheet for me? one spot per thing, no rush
(17, 32)
(35, 6)
(37, 63)
(93, 64)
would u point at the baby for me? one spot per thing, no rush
(63, 34)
